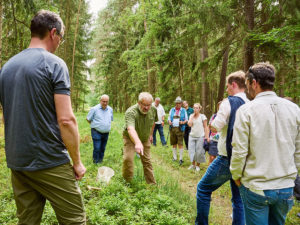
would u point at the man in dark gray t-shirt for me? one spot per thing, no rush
(40, 127)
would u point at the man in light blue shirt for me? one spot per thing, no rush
(100, 117)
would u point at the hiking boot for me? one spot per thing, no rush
(191, 167)
(180, 162)
(197, 168)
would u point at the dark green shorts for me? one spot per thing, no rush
(57, 185)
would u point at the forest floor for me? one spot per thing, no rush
(171, 202)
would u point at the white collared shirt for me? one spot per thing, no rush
(160, 112)
(266, 143)
(221, 122)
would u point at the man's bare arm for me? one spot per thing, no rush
(69, 131)
(139, 148)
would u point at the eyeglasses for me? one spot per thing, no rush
(62, 40)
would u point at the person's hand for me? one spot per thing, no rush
(192, 116)
(79, 170)
(214, 130)
(151, 139)
(208, 140)
(139, 148)
(162, 123)
(238, 182)
(170, 123)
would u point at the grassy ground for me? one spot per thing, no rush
(172, 201)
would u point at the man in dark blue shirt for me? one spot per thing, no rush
(41, 133)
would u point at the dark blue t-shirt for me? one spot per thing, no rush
(28, 82)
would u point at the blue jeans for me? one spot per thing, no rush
(269, 209)
(215, 176)
(99, 141)
(160, 129)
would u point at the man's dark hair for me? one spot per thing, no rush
(238, 77)
(45, 21)
(263, 73)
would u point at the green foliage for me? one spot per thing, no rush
(16, 37)
(141, 41)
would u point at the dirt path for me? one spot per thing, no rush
(220, 210)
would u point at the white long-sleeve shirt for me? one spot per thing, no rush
(266, 143)
(221, 122)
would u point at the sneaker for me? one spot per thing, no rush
(180, 162)
(191, 167)
(174, 160)
(197, 168)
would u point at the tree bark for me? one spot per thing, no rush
(248, 48)
(205, 86)
(74, 47)
(151, 74)
(223, 77)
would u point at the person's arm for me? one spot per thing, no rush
(222, 117)
(240, 146)
(163, 116)
(206, 130)
(139, 148)
(151, 133)
(185, 118)
(69, 131)
(190, 123)
(90, 115)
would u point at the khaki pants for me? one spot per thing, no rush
(128, 157)
(57, 185)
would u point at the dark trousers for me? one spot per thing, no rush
(99, 141)
(160, 129)
(186, 136)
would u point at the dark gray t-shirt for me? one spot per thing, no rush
(28, 82)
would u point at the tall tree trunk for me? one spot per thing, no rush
(223, 77)
(67, 27)
(248, 48)
(180, 78)
(205, 85)
(297, 83)
(74, 47)
(151, 74)
(264, 55)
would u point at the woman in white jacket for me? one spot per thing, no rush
(199, 131)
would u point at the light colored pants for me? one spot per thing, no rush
(128, 161)
(57, 185)
(196, 150)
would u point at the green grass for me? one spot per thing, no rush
(172, 201)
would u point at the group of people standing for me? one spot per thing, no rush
(259, 150)
(189, 125)
(257, 142)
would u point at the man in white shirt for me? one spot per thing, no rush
(159, 125)
(266, 149)
(218, 171)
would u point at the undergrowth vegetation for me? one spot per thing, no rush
(172, 201)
